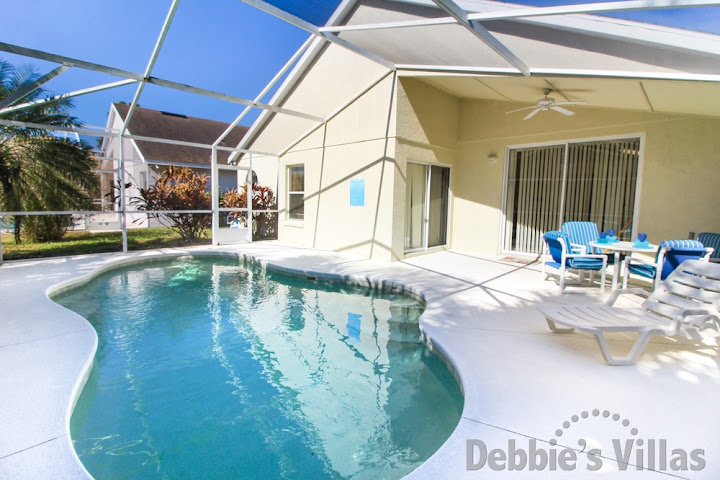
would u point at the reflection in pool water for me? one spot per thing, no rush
(209, 369)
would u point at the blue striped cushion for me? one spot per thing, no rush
(711, 240)
(647, 271)
(581, 233)
(553, 238)
(585, 263)
(682, 244)
(677, 251)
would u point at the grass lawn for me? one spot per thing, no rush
(78, 243)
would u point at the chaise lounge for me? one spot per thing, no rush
(685, 303)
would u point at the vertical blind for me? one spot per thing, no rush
(596, 182)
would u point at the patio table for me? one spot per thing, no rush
(618, 247)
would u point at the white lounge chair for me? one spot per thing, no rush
(685, 303)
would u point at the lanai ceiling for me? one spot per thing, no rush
(666, 96)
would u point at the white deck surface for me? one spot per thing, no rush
(520, 380)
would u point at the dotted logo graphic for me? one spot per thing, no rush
(595, 413)
(623, 449)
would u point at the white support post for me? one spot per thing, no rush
(75, 93)
(138, 77)
(265, 91)
(531, 12)
(309, 27)
(461, 16)
(215, 194)
(277, 192)
(27, 89)
(151, 64)
(121, 178)
(249, 187)
(228, 98)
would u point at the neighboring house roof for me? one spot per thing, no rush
(146, 122)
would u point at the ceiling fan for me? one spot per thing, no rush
(548, 103)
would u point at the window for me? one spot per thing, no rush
(296, 192)
(143, 180)
(252, 176)
(593, 181)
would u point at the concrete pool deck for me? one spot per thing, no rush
(521, 382)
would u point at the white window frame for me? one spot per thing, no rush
(288, 170)
(144, 180)
(567, 143)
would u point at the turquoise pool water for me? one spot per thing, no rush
(210, 369)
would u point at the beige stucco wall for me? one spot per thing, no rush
(354, 145)
(334, 79)
(369, 141)
(427, 132)
(679, 178)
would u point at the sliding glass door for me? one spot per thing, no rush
(547, 185)
(426, 206)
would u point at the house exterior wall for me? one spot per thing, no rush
(265, 168)
(355, 145)
(404, 119)
(427, 130)
(333, 80)
(678, 174)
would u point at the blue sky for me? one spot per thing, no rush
(222, 45)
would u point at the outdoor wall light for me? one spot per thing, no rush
(492, 158)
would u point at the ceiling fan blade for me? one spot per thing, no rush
(520, 109)
(570, 103)
(562, 110)
(532, 114)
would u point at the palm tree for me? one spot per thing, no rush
(39, 171)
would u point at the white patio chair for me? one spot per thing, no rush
(685, 303)
(711, 240)
(562, 257)
(670, 254)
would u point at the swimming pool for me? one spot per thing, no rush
(212, 369)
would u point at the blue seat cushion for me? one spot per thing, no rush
(647, 271)
(585, 263)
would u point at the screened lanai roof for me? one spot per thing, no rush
(469, 48)
(543, 44)
(499, 51)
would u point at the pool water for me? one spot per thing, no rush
(211, 369)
